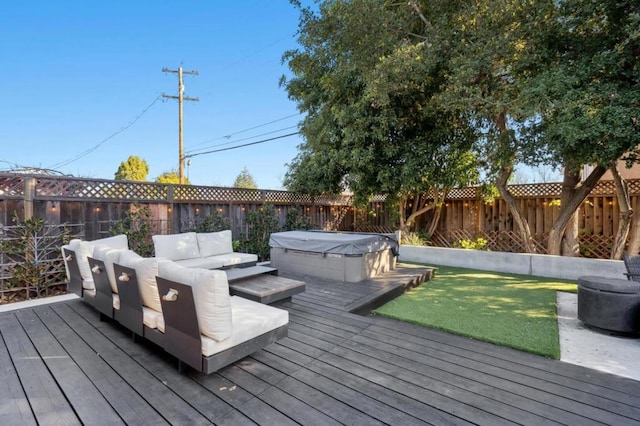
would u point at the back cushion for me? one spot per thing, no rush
(214, 243)
(176, 246)
(82, 250)
(210, 294)
(146, 271)
(213, 303)
(129, 258)
(109, 256)
(116, 242)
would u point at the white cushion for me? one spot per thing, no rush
(116, 301)
(117, 242)
(146, 272)
(250, 319)
(176, 246)
(214, 243)
(109, 256)
(129, 258)
(211, 297)
(152, 319)
(89, 292)
(213, 262)
(83, 249)
(234, 258)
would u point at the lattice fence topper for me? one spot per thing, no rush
(14, 186)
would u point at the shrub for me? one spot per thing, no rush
(32, 247)
(296, 219)
(260, 224)
(136, 225)
(414, 239)
(477, 244)
(213, 222)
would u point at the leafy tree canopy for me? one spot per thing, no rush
(366, 83)
(135, 169)
(245, 180)
(171, 177)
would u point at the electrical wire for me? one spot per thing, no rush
(243, 139)
(242, 146)
(228, 136)
(98, 145)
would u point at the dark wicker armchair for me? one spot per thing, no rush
(633, 267)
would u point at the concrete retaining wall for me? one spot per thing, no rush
(542, 265)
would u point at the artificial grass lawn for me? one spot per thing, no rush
(518, 311)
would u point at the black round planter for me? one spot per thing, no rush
(610, 304)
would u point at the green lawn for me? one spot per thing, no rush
(518, 311)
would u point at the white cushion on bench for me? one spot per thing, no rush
(214, 243)
(152, 319)
(109, 256)
(116, 302)
(176, 246)
(231, 259)
(202, 262)
(250, 319)
(83, 249)
(210, 294)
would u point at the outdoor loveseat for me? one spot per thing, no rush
(186, 311)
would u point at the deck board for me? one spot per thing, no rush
(59, 363)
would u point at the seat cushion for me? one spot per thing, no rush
(210, 294)
(176, 246)
(250, 319)
(214, 243)
(202, 262)
(231, 259)
(152, 319)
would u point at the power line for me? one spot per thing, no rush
(95, 147)
(243, 139)
(228, 136)
(242, 146)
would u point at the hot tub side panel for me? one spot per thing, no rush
(339, 267)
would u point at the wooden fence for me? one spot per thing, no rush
(98, 204)
(466, 215)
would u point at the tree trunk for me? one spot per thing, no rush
(634, 238)
(573, 194)
(624, 202)
(521, 223)
(433, 223)
(570, 242)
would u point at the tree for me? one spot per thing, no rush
(366, 83)
(171, 177)
(245, 180)
(135, 169)
(587, 91)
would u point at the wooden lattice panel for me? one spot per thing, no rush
(12, 186)
(596, 246)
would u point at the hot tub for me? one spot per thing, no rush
(340, 256)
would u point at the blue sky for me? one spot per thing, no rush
(76, 72)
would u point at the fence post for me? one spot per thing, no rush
(29, 192)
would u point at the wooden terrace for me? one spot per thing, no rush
(59, 365)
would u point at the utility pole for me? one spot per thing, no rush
(180, 98)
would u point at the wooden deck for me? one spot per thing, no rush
(60, 365)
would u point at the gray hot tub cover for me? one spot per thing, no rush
(333, 242)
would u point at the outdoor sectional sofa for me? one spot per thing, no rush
(208, 250)
(187, 311)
